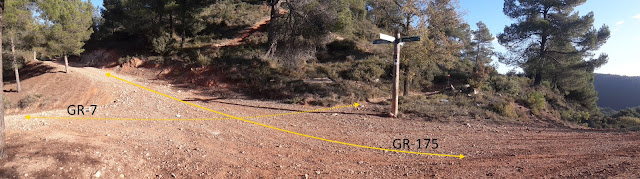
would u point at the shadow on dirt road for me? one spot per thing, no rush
(47, 158)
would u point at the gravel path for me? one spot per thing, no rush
(46, 148)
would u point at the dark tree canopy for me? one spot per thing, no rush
(67, 25)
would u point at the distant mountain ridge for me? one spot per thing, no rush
(617, 92)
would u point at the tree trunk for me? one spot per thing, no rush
(407, 79)
(543, 44)
(478, 52)
(3, 152)
(66, 64)
(538, 78)
(271, 38)
(479, 71)
(15, 64)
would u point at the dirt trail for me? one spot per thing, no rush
(243, 34)
(43, 148)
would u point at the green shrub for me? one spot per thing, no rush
(28, 101)
(629, 123)
(294, 100)
(367, 70)
(503, 108)
(202, 60)
(198, 58)
(629, 112)
(234, 13)
(257, 38)
(575, 116)
(156, 59)
(203, 39)
(6, 103)
(123, 60)
(626, 123)
(324, 71)
(546, 84)
(505, 84)
(439, 107)
(536, 102)
(163, 44)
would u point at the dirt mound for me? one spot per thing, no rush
(45, 86)
(100, 58)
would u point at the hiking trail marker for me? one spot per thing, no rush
(397, 42)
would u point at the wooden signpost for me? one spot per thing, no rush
(397, 42)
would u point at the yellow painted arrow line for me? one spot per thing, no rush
(196, 119)
(130, 119)
(283, 130)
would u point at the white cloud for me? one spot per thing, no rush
(619, 22)
(636, 17)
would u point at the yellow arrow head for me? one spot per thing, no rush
(461, 156)
(108, 74)
(28, 117)
(356, 105)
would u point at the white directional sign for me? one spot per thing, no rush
(387, 37)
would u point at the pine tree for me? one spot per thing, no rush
(188, 11)
(548, 33)
(411, 12)
(482, 39)
(302, 30)
(386, 14)
(553, 43)
(18, 21)
(447, 41)
(68, 26)
(112, 16)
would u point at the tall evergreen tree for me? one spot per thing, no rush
(18, 21)
(483, 52)
(302, 30)
(112, 16)
(552, 42)
(411, 12)
(68, 26)
(447, 41)
(548, 33)
(385, 14)
(188, 11)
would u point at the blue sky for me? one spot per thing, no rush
(622, 17)
(96, 2)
